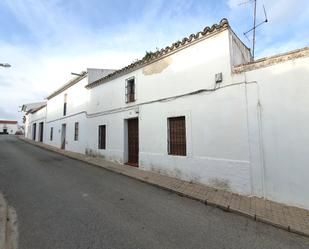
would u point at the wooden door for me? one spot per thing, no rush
(133, 142)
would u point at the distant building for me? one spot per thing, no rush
(201, 110)
(8, 126)
(35, 115)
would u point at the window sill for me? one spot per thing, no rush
(177, 155)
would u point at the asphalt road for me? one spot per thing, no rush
(63, 203)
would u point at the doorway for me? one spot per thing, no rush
(63, 135)
(41, 125)
(34, 131)
(133, 142)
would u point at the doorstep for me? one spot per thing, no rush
(290, 218)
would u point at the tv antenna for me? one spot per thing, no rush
(254, 23)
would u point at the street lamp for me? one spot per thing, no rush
(5, 65)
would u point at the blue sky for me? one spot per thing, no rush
(46, 40)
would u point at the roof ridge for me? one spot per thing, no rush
(5, 121)
(68, 84)
(152, 56)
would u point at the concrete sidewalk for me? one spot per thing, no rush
(3, 221)
(8, 225)
(286, 217)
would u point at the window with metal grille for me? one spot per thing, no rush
(177, 136)
(51, 133)
(76, 131)
(102, 137)
(65, 105)
(130, 90)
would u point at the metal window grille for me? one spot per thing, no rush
(130, 90)
(51, 133)
(102, 137)
(76, 131)
(177, 136)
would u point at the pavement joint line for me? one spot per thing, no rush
(181, 189)
(3, 221)
(7, 241)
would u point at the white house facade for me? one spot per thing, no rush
(34, 120)
(201, 110)
(278, 118)
(8, 127)
(66, 112)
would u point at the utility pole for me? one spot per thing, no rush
(253, 29)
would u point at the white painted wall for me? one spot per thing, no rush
(27, 126)
(217, 139)
(283, 91)
(188, 70)
(115, 135)
(77, 98)
(248, 136)
(239, 53)
(218, 151)
(35, 118)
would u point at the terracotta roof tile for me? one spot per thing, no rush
(149, 58)
(8, 122)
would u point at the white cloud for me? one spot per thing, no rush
(63, 43)
(287, 26)
(66, 45)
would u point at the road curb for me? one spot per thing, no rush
(209, 202)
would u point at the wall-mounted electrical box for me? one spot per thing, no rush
(218, 78)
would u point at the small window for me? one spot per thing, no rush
(130, 90)
(102, 137)
(65, 105)
(76, 131)
(51, 133)
(177, 136)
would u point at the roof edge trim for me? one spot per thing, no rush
(67, 85)
(271, 60)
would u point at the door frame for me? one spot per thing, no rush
(126, 136)
(41, 131)
(34, 131)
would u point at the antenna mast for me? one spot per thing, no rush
(254, 24)
(254, 27)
